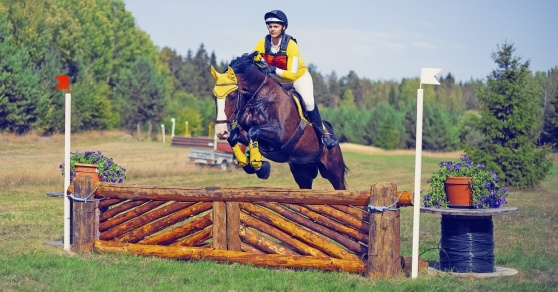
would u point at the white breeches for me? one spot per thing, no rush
(305, 88)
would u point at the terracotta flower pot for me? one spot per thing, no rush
(83, 169)
(458, 191)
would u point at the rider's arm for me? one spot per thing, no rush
(260, 48)
(294, 62)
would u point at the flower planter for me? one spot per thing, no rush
(83, 169)
(458, 191)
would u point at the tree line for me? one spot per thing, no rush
(121, 80)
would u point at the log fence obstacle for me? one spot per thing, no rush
(271, 227)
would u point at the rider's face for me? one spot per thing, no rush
(274, 29)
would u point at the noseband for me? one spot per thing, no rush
(236, 112)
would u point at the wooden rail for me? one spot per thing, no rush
(330, 230)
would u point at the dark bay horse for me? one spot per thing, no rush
(265, 117)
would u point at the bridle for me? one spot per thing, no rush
(236, 113)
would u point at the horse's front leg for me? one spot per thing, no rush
(236, 135)
(268, 134)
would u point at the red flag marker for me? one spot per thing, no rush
(63, 82)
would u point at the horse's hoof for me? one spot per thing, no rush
(264, 171)
(249, 169)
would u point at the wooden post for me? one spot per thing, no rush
(84, 219)
(233, 226)
(219, 225)
(384, 248)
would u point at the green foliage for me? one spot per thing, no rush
(509, 122)
(438, 132)
(467, 129)
(349, 124)
(549, 134)
(485, 187)
(19, 85)
(141, 93)
(386, 127)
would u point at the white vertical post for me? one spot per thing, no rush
(163, 129)
(418, 170)
(67, 135)
(173, 120)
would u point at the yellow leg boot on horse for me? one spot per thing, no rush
(242, 158)
(263, 168)
(327, 138)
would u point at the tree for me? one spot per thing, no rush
(19, 85)
(141, 94)
(386, 127)
(509, 121)
(549, 133)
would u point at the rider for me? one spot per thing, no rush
(280, 52)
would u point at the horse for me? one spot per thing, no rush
(254, 109)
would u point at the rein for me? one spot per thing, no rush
(236, 107)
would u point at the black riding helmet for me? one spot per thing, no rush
(276, 16)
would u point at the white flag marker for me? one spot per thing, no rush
(427, 76)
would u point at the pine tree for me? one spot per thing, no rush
(509, 120)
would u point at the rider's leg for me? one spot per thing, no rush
(305, 88)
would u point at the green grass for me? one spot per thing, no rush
(28, 218)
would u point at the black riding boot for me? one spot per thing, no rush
(328, 139)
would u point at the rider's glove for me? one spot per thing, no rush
(269, 69)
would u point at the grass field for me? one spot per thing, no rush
(527, 241)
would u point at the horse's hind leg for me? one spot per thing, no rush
(304, 174)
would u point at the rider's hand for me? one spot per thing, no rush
(269, 69)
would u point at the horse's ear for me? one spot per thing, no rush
(214, 73)
(230, 71)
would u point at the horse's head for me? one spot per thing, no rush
(230, 87)
(225, 93)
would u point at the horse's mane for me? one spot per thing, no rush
(242, 63)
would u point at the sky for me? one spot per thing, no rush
(378, 40)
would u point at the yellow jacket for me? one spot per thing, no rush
(294, 68)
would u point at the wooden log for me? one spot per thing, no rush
(330, 223)
(168, 236)
(245, 194)
(194, 239)
(299, 232)
(406, 199)
(248, 248)
(119, 209)
(109, 202)
(83, 217)
(384, 250)
(233, 226)
(297, 245)
(340, 216)
(358, 213)
(219, 225)
(349, 243)
(123, 217)
(266, 260)
(142, 220)
(255, 239)
(153, 227)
